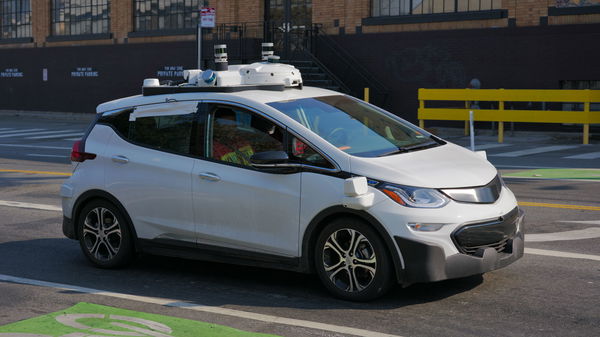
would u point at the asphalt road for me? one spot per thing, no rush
(555, 294)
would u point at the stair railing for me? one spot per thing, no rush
(329, 73)
(350, 66)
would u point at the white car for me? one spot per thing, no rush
(247, 166)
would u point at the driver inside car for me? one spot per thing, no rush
(229, 143)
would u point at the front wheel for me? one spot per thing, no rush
(352, 261)
(104, 235)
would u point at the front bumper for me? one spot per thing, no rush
(426, 262)
(68, 228)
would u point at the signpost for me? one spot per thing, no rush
(207, 20)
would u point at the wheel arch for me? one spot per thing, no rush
(324, 217)
(88, 196)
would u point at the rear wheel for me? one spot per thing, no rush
(352, 261)
(104, 235)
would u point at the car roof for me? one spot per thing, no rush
(257, 96)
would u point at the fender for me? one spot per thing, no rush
(313, 229)
(100, 194)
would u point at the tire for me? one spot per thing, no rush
(352, 261)
(104, 235)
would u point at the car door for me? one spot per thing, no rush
(150, 170)
(235, 205)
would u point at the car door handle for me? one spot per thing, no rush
(209, 176)
(120, 159)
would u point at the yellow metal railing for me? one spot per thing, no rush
(501, 115)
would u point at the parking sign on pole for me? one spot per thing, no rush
(208, 17)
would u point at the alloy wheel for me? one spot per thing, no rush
(102, 234)
(349, 260)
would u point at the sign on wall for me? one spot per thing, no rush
(11, 73)
(170, 71)
(85, 72)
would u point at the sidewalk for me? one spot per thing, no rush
(51, 115)
(487, 136)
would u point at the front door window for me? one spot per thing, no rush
(237, 134)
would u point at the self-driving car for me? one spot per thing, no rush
(246, 165)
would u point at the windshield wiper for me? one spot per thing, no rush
(410, 148)
(396, 151)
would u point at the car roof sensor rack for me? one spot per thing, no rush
(162, 90)
(266, 75)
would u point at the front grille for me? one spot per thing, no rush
(477, 195)
(472, 239)
(498, 246)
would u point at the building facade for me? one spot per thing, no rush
(70, 55)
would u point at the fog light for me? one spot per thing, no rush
(425, 227)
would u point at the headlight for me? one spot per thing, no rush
(414, 196)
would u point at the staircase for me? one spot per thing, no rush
(314, 75)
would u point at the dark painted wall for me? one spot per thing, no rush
(536, 57)
(511, 58)
(80, 78)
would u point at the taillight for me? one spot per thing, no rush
(77, 153)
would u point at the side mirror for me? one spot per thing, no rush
(270, 159)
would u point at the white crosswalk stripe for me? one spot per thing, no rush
(494, 147)
(34, 133)
(40, 134)
(17, 131)
(535, 150)
(56, 136)
(489, 146)
(591, 155)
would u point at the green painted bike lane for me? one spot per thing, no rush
(583, 174)
(93, 320)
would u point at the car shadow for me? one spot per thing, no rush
(61, 261)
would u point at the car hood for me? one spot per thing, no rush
(445, 166)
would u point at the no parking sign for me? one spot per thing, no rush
(207, 17)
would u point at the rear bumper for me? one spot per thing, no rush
(426, 262)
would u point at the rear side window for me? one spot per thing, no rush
(118, 121)
(169, 133)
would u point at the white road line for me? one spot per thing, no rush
(29, 205)
(536, 150)
(489, 146)
(35, 133)
(3, 129)
(200, 307)
(555, 253)
(580, 234)
(47, 155)
(16, 131)
(591, 155)
(56, 136)
(37, 146)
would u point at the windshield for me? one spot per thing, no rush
(354, 126)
